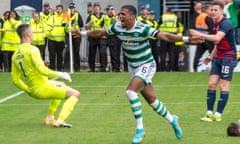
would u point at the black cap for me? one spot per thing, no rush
(109, 7)
(96, 4)
(152, 12)
(89, 4)
(71, 5)
(46, 4)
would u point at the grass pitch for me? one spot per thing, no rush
(103, 114)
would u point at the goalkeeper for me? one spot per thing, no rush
(31, 75)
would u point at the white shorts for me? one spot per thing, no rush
(144, 72)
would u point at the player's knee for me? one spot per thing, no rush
(77, 94)
(73, 92)
(131, 94)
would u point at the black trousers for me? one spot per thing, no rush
(200, 50)
(76, 42)
(56, 53)
(7, 60)
(168, 49)
(42, 49)
(95, 44)
(114, 45)
(156, 52)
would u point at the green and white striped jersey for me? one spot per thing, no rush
(135, 42)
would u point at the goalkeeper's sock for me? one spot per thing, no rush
(160, 109)
(136, 107)
(52, 108)
(68, 107)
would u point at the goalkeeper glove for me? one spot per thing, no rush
(65, 76)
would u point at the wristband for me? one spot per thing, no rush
(83, 33)
(185, 39)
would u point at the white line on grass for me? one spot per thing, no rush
(11, 96)
(110, 86)
(118, 104)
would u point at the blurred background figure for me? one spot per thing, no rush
(10, 40)
(76, 24)
(153, 41)
(39, 33)
(95, 21)
(143, 15)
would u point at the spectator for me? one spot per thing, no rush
(231, 11)
(195, 10)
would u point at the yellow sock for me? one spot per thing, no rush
(68, 107)
(53, 107)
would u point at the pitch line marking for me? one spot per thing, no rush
(119, 104)
(83, 86)
(11, 96)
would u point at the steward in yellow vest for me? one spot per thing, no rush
(39, 33)
(46, 13)
(76, 23)
(10, 40)
(169, 24)
(180, 49)
(95, 21)
(3, 63)
(56, 37)
(112, 42)
(144, 15)
(153, 41)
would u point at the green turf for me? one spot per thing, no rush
(103, 115)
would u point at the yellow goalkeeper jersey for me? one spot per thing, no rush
(28, 69)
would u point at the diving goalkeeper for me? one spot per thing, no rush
(31, 75)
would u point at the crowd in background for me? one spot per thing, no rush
(51, 33)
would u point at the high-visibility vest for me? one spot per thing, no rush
(200, 23)
(96, 23)
(108, 21)
(169, 23)
(153, 24)
(180, 33)
(10, 40)
(142, 19)
(57, 32)
(39, 34)
(74, 22)
(45, 17)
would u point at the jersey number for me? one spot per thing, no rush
(225, 69)
(144, 69)
(22, 69)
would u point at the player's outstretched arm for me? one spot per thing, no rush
(175, 38)
(94, 34)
